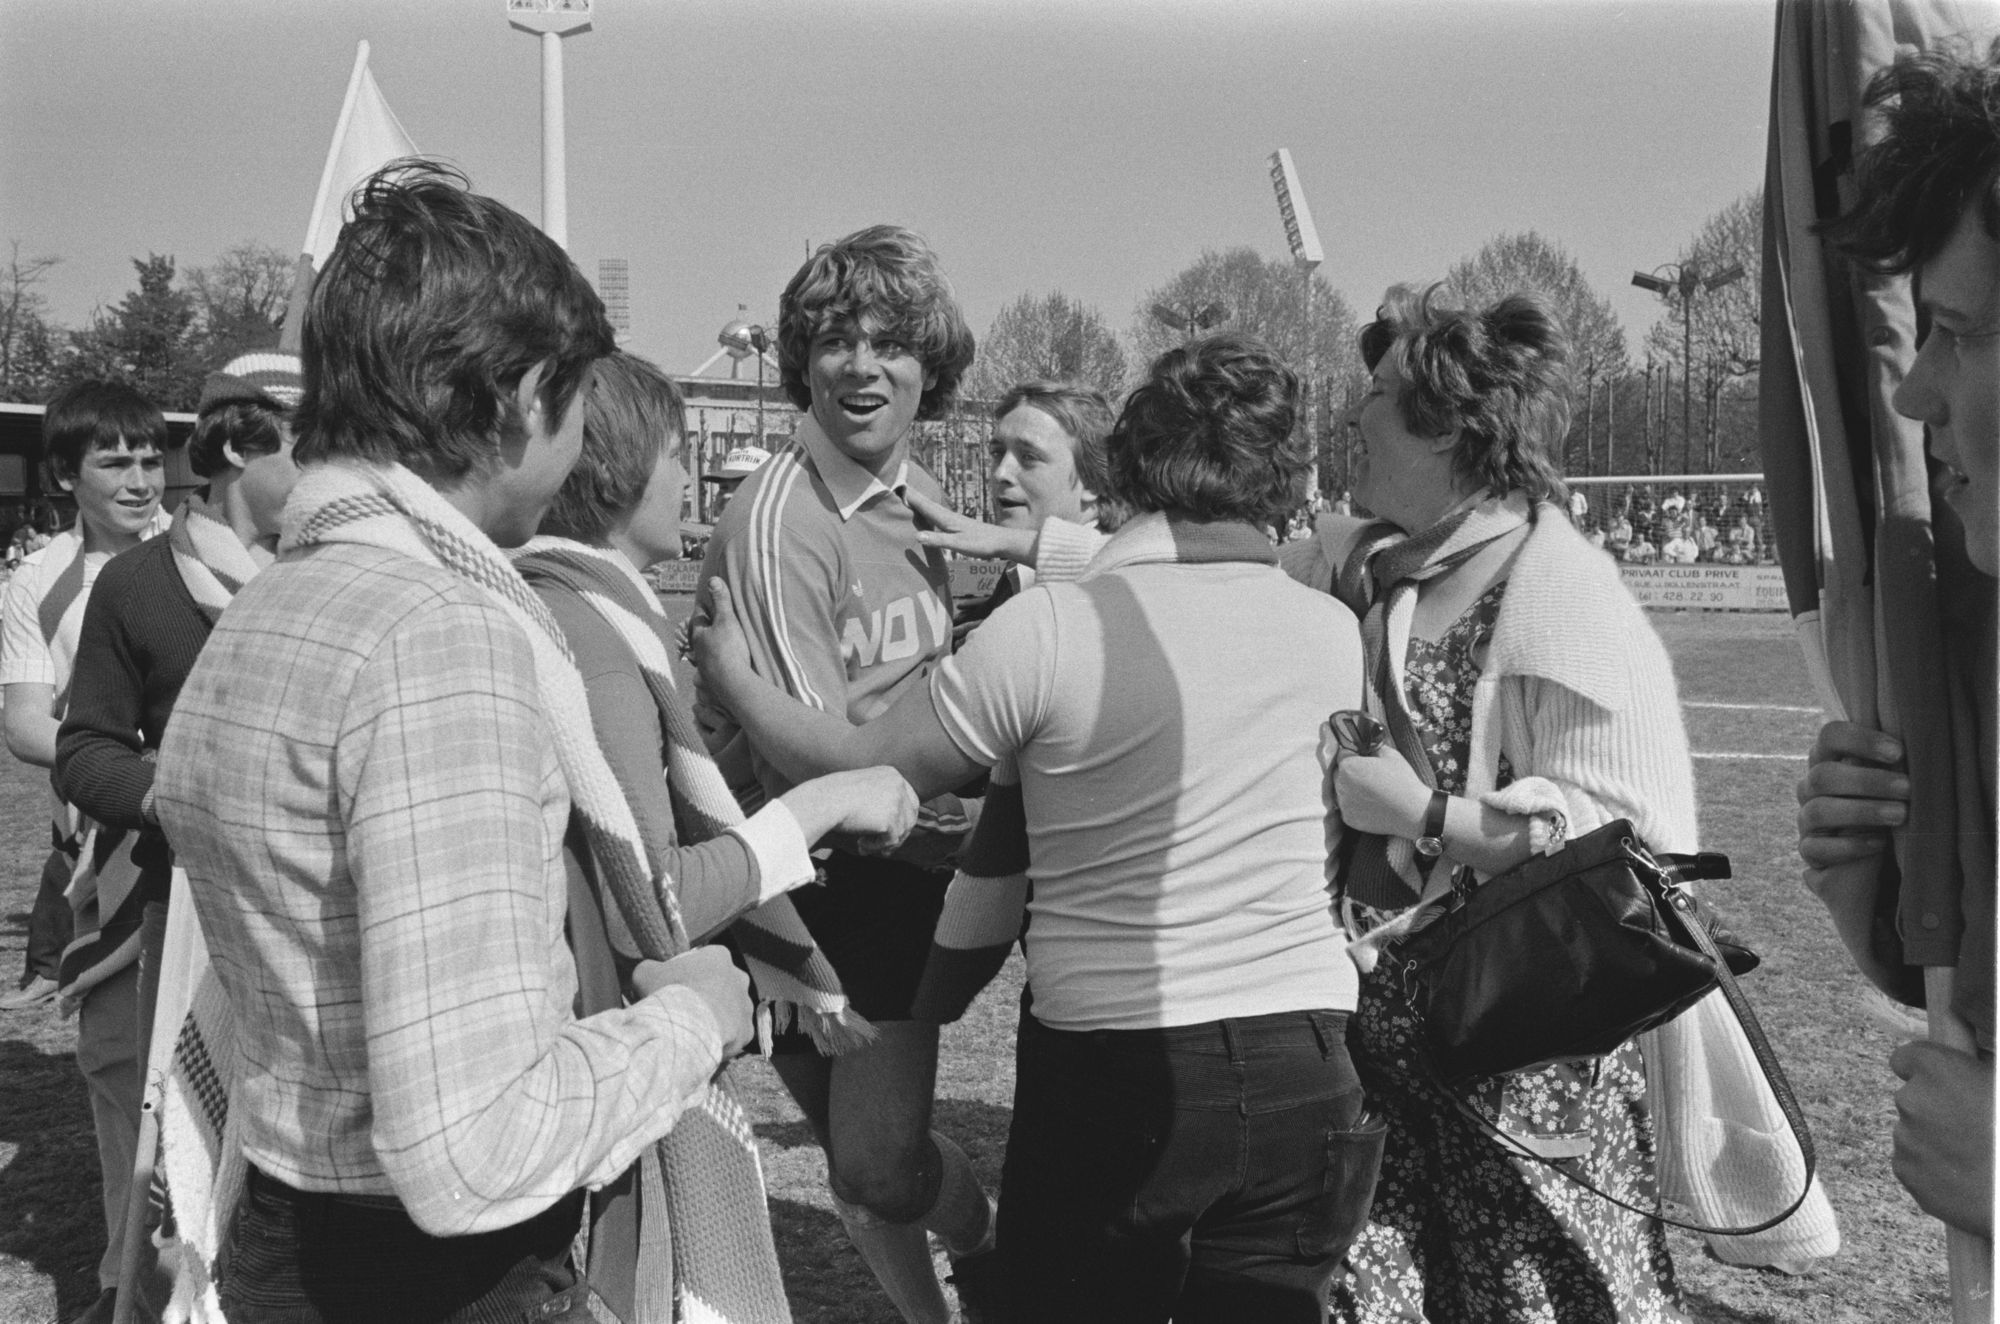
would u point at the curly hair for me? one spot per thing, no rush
(1498, 377)
(434, 305)
(633, 414)
(1211, 434)
(888, 278)
(1940, 154)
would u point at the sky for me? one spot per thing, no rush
(1094, 147)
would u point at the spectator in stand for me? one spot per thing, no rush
(1593, 533)
(1707, 540)
(1929, 205)
(1680, 547)
(1743, 541)
(369, 779)
(1642, 550)
(1618, 538)
(104, 444)
(149, 613)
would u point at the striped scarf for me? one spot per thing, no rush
(212, 560)
(1379, 581)
(792, 977)
(213, 563)
(62, 594)
(709, 1197)
(986, 904)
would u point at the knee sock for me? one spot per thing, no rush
(899, 1255)
(962, 1216)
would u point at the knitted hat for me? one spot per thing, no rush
(266, 376)
(739, 464)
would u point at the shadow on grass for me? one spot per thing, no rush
(49, 1204)
(1708, 1310)
(14, 928)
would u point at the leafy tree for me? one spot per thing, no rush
(1725, 334)
(241, 299)
(1266, 298)
(27, 342)
(1513, 263)
(1050, 335)
(152, 339)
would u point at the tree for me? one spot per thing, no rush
(27, 342)
(1266, 298)
(1052, 336)
(241, 299)
(151, 339)
(1724, 331)
(1513, 263)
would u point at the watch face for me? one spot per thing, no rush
(1431, 846)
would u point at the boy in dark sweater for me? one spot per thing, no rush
(147, 619)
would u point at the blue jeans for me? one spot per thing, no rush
(1212, 1172)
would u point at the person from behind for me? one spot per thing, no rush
(369, 781)
(1189, 1139)
(1929, 206)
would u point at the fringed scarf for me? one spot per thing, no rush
(986, 902)
(710, 1187)
(213, 563)
(1378, 581)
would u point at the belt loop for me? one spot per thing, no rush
(1229, 1044)
(1322, 1032)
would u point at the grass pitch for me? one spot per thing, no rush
(1834, 1040)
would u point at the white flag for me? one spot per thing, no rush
(368, 137)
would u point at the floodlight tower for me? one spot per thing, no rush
(552, 20)
(1303, 237)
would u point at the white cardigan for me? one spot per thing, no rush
(1576, 688)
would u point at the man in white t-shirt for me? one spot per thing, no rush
(104, 445)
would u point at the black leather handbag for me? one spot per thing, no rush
(1565, 956)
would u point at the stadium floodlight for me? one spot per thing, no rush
(1686, 281)
(552, 20)
(740, 339)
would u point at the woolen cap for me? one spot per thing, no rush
(266, 376)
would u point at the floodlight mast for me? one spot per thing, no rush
(552, 20)
(1303, 237)
(1686, 281)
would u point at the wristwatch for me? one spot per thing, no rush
(1430, 841)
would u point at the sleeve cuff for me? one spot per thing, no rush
(1063, 550)
(779, 847)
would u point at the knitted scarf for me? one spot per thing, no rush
(1379, 581)
(212, 560)
(62, 594)
(793, 978)
(985, 905)
(213, 563)
(709, 1173)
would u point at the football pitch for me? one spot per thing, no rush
(1751, 717)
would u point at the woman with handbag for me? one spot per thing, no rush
(1525, 698)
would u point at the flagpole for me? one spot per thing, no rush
(302, 271)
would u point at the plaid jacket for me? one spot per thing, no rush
(361, 786)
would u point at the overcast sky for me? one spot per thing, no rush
(1091, 146)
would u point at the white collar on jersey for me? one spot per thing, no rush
(850, 484)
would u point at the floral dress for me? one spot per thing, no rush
(1460, 1231)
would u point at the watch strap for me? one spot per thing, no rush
(1430, 841)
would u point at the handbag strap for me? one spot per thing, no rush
(1680, 866)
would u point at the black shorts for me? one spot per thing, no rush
(874, 919)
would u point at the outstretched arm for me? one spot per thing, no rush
(801, 741)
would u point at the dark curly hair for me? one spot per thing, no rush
(1939, 155)
(434, 305)
(1211, 434)
(1498, 376)
(887, 277)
